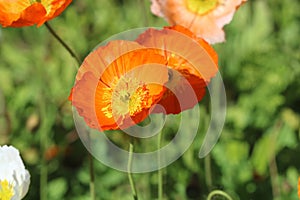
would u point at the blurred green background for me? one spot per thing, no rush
(257, 155)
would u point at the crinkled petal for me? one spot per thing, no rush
(56, 7)
(83, 98)
(98, 60)
(192, 62)
(201, 58)
(10, 12)
(20, 13)
(33, 14)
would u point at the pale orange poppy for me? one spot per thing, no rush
(118, 84)
(204, 18)
(19, 13)
(192, 62)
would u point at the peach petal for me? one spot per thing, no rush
(208, 26)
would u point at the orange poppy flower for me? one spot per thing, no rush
(118, 84)
(192, 62)
(18, 13)
(299, 187)
(204, 18)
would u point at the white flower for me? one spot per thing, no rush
(14, 178)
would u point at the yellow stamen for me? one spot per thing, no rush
(137, 100)
(126, 96)
(6, 190)
(201, 7)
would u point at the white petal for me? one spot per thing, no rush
(13, 170)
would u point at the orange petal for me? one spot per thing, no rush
(299, 187)
(83, 98)
(133, 60)
(10, 12)
(104, 122)
(212, 53)
(100, 74)
(98, 60)
(184, 46)
(22, 13)
(145, 66)
(56, 7)
(187, 92)
(33, 14)
(192, 63)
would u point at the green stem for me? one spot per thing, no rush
(43, 131)
(92, 177)
(208, 175)
(129, 167)
(272, 162)
(44, 172)
(71, 52)
(274, 178)
(160, 173)
(91, 169)
(218, 192)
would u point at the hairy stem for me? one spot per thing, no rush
(160, 173)
(208, 175)
(129, 167)
(60, 40)
(92, 177)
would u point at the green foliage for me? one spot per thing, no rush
(257, 156)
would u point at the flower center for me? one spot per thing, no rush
(127, 96)
(201, 7)
(138, 100)
(6, 190)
